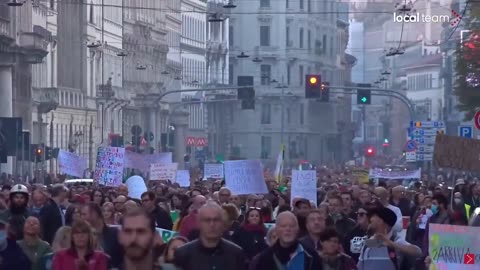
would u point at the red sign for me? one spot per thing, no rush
(191, 141)
(469, 258)
(477, 119)
(201, 142)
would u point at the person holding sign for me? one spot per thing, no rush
(385, 250)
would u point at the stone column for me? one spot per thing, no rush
(180, 120)
(152, 126)
(6, 105)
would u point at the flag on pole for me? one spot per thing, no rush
(279, 167)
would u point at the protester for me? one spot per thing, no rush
(315, 223)
(189, 223)
(18, 211)
(52, 216)
(108, 211)
(383, 198)
(32, 245)
(12, 256)
(355, 239)
(168, 255)
(210, 251)
(250, 236)
(332, 257)
(161, 217)
(62, 240)
(82, 253)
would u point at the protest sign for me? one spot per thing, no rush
(304, 185)
(213, 171)
(71, 164)
(136, 187)
(456, 153)
(142, 162)
(362, 175)
(386, 174)
(109, 166)
(183, 178)
(166, 172)
(245, 177)
(454, 247)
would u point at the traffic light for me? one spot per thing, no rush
(48, 153)
(313, 86)
(325, 92)
(364, 96)
(386, 143)
(39, 153)
(246, 94)
(370, 151)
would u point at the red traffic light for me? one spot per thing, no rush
(370, 151)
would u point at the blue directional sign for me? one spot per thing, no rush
(424, 157)
(465, 131)
(427, 124)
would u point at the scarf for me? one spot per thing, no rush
(283, 253)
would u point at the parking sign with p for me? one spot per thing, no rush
(465, 131)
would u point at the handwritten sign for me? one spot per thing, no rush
(71, 164)
(183, 178)
(245, 177)
(361, 175)
(304, 185)
(454, 247)
(166, 172)
(142, 162)
(213, 171)
(109, 166)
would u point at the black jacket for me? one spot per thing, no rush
(162, 218)
(111, 246)
(50, 220)
(250, 239)
(194, 256)
(265, 260)
(13, 258)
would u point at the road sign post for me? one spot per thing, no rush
(465, 131)
(424, 133)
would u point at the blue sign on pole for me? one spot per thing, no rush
(411, 146)
(465, 131)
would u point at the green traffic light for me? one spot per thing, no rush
(363, 99)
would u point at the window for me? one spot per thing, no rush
(264, 3)
(230, 74)
(287, 36)
(301, 38)
(287, 4)
(324, 44)
(264, 35)
(302, 111)
(289, 74)
(266, 113)
(288, 115)
(71, 100)
(331, 46)
(230, 35)
(300, 73)
(266, 74)
(309, 40)
(301, 4)
(91, 13)
(309, 5)
(266, 144)
(52, 4)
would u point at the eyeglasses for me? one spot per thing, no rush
(361, 214)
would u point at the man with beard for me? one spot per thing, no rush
(137, 237)
(18, 211)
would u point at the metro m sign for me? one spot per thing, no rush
(191, 141)
(201, 142)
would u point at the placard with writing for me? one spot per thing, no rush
(109, 166)
(71, 164)
(245, 177)
(166, 172)
(304, 185)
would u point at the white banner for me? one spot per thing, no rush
(143, 162)
(71, 164)
(409, 174)
(304, 185)
(245, 177)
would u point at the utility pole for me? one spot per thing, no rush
(282, 115)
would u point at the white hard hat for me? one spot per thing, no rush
(19, 188)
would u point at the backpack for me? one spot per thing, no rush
(399, 260)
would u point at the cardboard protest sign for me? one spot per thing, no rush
(456, 153)
(109, 166)
(183, 178)
(166, 172)
(142, 162)
(304, 185)
(362, 175)
(454, 247)
(71, 164)
(213, 171)
(245, 177)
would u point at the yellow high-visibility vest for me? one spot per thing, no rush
(467, 210)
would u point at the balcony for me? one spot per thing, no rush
(34, 46)
(5, 37)
(105, 91)
(47, 99)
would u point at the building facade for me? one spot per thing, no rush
(279, 52)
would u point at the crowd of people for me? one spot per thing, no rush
(354, 226)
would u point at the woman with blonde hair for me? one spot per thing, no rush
(108, 210)
(61, 241)
(82, 254)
